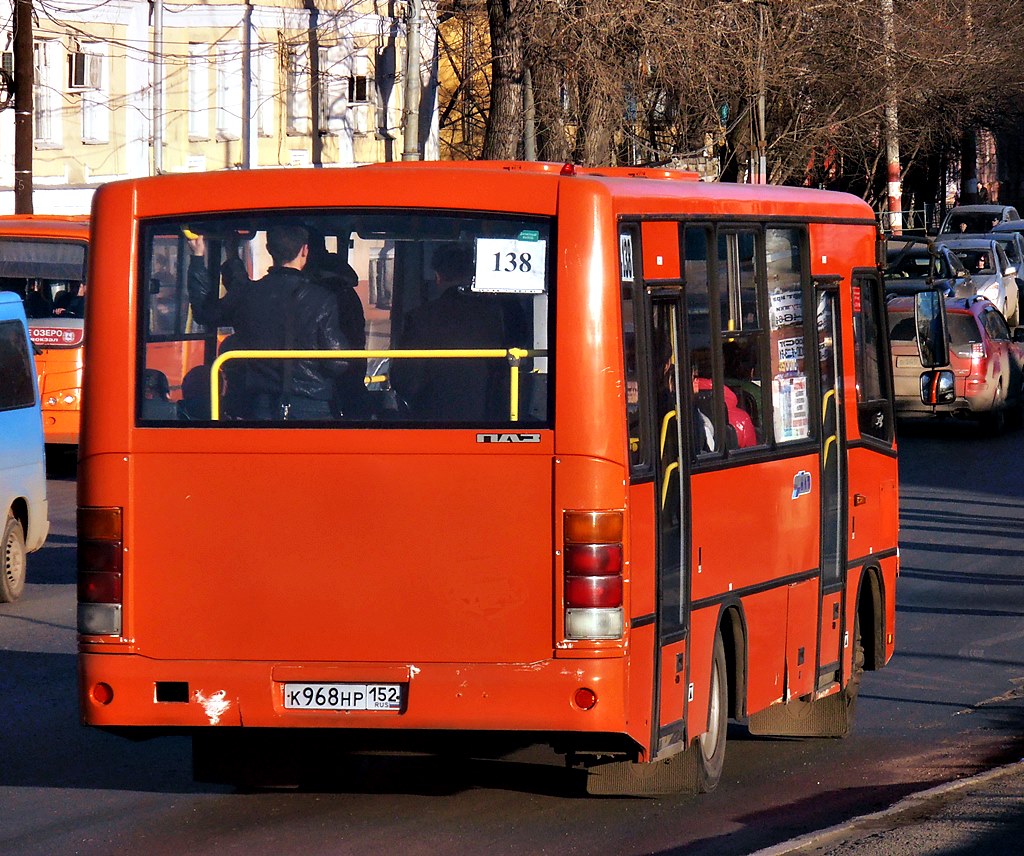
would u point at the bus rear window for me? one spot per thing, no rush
(48, 275)
(327, 318)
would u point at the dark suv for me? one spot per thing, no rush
(910, 261)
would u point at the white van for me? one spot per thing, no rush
(23, 509)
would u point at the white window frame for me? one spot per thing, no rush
(229, 91)
(46, 96)
(96, 98)
(198, 92)
(266, 88)
(297, 92)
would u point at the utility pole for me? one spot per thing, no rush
(317, 142)
(892, 124)
(24, 78)
(247, 87)
(413, 85)
(762, 155)
(158, 87)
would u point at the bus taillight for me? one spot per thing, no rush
(100, 581)
(593, 575)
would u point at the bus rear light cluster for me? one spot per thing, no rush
(100, 578)
(68, 398)
(593, 575)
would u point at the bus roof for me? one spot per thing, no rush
(73, 226)
(511, 186)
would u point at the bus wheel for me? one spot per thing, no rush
(696, 770)
(12, 578)
(707, 753)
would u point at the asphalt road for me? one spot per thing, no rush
(948, 705)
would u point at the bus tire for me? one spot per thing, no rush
(696, 770)
(706, 755)
(12, 574)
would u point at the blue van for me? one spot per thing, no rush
(23, 510)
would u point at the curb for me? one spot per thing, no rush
(907, 805)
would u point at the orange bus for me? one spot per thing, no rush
(646, 482)
(43, 261)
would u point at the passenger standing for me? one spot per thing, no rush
(284, 310)
(338, 277)
(460, 388)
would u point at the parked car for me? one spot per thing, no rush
(993, 275)
(987, 362)
(24, 521)
(976, 218)
(914, 264)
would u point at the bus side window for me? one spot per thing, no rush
(637, 452)
(706, 432)
(874, 396)
(785, 272)
(742, 334)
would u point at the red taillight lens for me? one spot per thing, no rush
(593, 591)
(100, 555)
(99, 587)
(593, 559)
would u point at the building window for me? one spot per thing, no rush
(46, 93)
(95, 100)
(198, 92)
(266, 89)
(358, 89)
(229, 91)
(297, 94)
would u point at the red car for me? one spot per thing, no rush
(987, 362)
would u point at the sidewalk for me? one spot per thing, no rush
(980, 814)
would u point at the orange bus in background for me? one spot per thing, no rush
(659, 491)
(43, 261)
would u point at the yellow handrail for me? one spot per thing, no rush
(513, 355)
(664, 484)
(664, 429)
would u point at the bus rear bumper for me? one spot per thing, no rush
(61, 426)
(120, 690)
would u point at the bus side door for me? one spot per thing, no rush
(832, 478)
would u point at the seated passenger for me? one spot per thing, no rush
(156, 396)
(36, 303)
(739, 429)
(739, 419)
(195, 394)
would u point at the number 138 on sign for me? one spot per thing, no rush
(510, 266)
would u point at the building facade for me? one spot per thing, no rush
(128, 88)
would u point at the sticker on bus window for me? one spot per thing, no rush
(792, 414)
(791, 354)
(785, 308)
(510, 265)
(626, 256)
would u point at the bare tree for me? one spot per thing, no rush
(646, 81)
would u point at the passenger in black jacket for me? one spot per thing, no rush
(284, 310)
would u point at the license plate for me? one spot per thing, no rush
(343, 696)
(908, 363)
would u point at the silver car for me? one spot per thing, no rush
(976, 218)
(994, 277)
